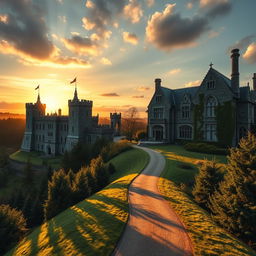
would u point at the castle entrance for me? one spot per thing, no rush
(158, 133)
(49, 150)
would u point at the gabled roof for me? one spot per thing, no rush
(222, 77)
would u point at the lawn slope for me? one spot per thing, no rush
(206, 236)
(93, 226)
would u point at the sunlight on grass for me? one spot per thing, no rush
(93, 226)
(207, 237)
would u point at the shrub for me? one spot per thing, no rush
(234, 204)
(205, 148)
(59, 194)
(141, 135)
(206, 182)
(12, 227)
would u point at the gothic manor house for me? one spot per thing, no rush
(191, 113)
(54, 134)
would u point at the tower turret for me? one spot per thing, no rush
(115, 123)
(79, 120)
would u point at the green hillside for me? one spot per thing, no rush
(93, 226)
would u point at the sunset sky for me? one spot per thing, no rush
(116, 48)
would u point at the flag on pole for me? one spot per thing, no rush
(37, 87)
(73, 81)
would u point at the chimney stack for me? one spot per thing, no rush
(59, 112)
(235, 72)
(157, 83)
(254, 81)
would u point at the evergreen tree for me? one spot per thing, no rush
(59, 194)
(99, 172)
(81, 187)
(28, 176)
(234, 204)
(12, 227)
(206, 182)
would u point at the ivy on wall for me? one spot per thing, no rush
(225, 117)
(198, 119)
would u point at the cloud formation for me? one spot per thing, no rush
(101, 14)
(133, 11)
(138, 96)
(174, 71)
(23, 33)
(143, 88)
(250, 53)
(216, 8)
(82, 45)
(242, 44)
(130, 38)
(167, 30)
(110, 94)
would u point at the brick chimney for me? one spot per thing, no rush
(254, 81)
(235, 71)
(157, 83)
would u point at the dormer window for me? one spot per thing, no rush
(211, 85)
(158, 98)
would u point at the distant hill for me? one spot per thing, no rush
(6, 115)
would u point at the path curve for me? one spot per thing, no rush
(153, 228)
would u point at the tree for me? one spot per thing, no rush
(81, 187)
(130, 123)
(99, 172)
(59, 194)
(12, 227)
(234, 204)
(206, 182)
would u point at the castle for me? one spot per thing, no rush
(219, 110)
(54, 134)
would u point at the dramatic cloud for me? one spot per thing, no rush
(168, 30)
(25, 29)
(250, 54)
(110, 94)
(133, 11)
(101, 14)
(23, 33)
(106, 61)
(82, 45)
(242, 44)
(216, 8)
(174, 71)
(138, 97)
(130, 38)
(193, 83)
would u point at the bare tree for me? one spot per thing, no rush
(130, 123)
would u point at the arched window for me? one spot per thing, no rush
(185, 107)
(242, 132)
(185, 132)
(210, 106)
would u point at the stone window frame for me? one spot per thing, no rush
(210, 84)
(185, 107)
(210, 106)
(185, 131)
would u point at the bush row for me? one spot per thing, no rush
(205, 148)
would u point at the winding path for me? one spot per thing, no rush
(153, 228)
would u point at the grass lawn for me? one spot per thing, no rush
(206, 236)
(93, 226)
(36, 158)
(182, 164)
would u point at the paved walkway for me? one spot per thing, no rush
(153, 228)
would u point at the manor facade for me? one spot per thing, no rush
(54, 134)
(207, 112)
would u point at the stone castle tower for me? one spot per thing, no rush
(115, 121)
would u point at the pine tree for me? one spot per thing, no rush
(206, 182)
(81, 187)
(99, 172)
(234, 204)
(59, 194)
